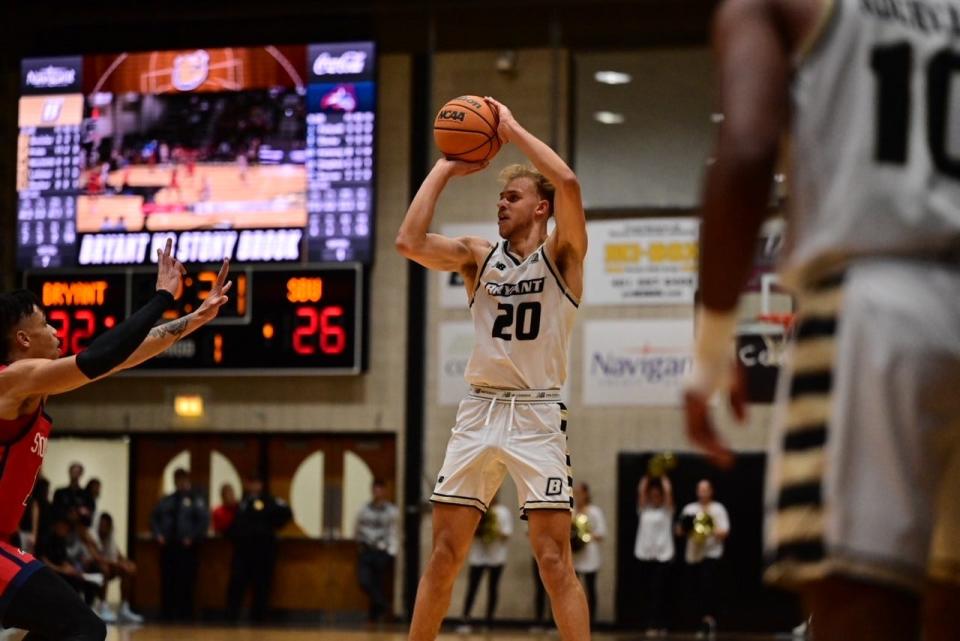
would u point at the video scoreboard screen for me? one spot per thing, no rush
(304, 321)
(262, 154)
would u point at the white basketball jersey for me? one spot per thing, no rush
(876, 136)
(523, 314)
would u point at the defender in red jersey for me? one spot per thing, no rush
(31, 369)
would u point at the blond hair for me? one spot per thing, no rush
(544, 187)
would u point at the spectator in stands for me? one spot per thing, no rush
(179, 522)
(116, 566)
(36, 518)
(224, 513)
(706, 525)
(376, 532)
(92, 491)
(488, 555)
(254, 533)
(62, 550)
(591, 524)
(540, 609)
(654, 548)
(74, 496)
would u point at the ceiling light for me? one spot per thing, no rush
(609, 117)
(612, 77)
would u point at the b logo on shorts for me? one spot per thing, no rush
(554, 486)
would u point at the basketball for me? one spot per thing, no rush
(466, 129)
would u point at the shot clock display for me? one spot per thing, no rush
(303, 321)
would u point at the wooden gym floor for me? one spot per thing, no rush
(152, 632)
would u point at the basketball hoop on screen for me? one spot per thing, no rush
(210, 69)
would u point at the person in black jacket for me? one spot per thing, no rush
(74, 497)
(179, 522)
(254, 535)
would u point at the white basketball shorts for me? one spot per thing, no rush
(522, 432)
(864, 474)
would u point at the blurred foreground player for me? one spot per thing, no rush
(33, 597)
(863, 490)
(523, 294)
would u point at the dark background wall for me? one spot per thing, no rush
(745, 603)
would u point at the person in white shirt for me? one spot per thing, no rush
(587, 560)
(488, 554)
(704, 554)
(654, 547)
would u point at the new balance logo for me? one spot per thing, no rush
(534, 286)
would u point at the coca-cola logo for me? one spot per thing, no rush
(51, 77)
(348, 62)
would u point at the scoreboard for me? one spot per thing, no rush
(262, 154)
(303, 321)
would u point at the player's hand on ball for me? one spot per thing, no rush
(170, 271)
(217, 296)
(505, 117)
(462, 168)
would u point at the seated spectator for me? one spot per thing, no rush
(225, 513)
(59, 549)
(116, 566)
(91, 494)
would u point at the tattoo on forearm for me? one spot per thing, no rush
(174, 328)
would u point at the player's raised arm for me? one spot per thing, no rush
(571, 230)
(27, 377)
(163, 336)
(414, 240)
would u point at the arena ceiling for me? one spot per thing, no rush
(57, 26)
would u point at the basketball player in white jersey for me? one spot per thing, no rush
(523, 294)
(863, 496)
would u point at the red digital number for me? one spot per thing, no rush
(88, 321)
(332, 337)
(302, 333)
(60, 319)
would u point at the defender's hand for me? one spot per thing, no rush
(701, 430)
(217, 296)
(169, 271)
(506, 119)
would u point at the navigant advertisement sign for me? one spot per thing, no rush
(636, 362)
